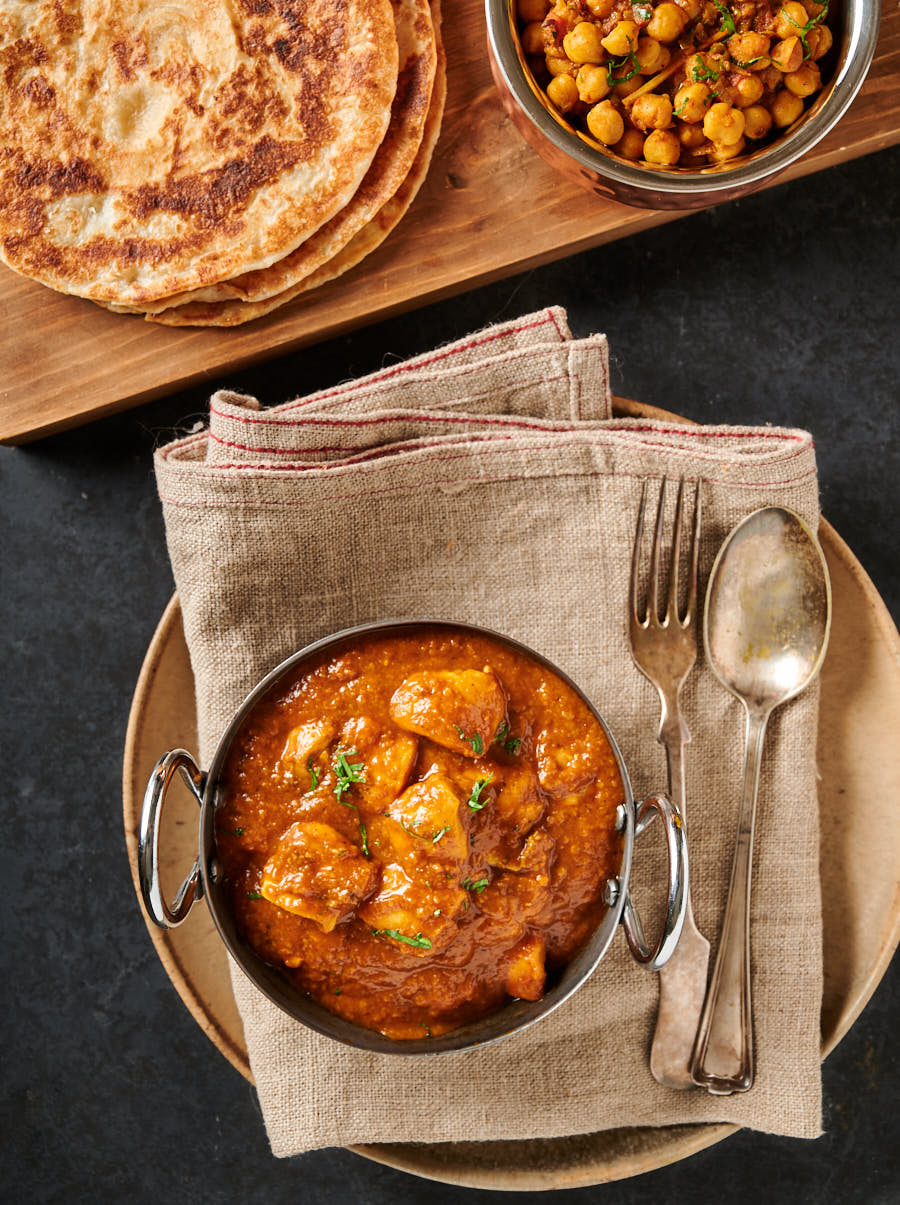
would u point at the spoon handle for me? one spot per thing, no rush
(723, 1053)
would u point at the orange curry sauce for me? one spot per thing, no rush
(419, 826)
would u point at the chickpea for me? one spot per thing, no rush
(560, 66)
(532, 10)
(662, 146)
(787, 55)
(790, 19)
(723, 151)
(691, 136)
(630, 145)
(806, 80)
(563, 91)
(691, 8)
(605, 123)
(723, 123)
(691, 102)
(813, 8)
(592, 83)
(582, 44)
(651, 56)
(745, 47)
(747, 90)
(533, 38)
(757, 121)
(653, 111)
(623, 38)
(786, 108)
(667, 22)
(819, 40)
(626, 86)
(600, 8)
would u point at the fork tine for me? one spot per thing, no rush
(695, 557)
(654, 552)
(636, 556)
(675, 560)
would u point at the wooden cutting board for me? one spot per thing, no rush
(489, 208)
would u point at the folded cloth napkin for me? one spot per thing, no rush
(489, 482)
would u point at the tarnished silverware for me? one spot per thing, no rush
(664, 647)
(765, 631)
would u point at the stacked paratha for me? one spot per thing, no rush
(204, 162)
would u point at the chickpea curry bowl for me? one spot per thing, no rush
(415, 836)
(680, 88)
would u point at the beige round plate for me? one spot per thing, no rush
(860, 713)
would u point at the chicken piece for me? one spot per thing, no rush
(388, 767)
(459, 709)
(430, 810)
(305, 742)
(360, 734)
(520, 802)
(415, 908)
(525, 970)
(524, 889)
(314, 872)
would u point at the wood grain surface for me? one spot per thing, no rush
(489, 208)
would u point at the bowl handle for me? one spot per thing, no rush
(148, 842)
(676, 903)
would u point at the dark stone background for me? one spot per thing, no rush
(783, 308)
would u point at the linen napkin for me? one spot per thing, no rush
(489, 482)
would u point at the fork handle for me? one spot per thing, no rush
(682, 981)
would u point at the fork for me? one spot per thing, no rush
(664, 648)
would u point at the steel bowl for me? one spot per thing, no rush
(205, 877)
(582, 160)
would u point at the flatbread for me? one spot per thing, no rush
(148, 148)
(417, 63)
(234, 313)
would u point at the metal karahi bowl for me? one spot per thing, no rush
(205, 878)
(581, 159)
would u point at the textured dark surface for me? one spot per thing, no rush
(781, 308)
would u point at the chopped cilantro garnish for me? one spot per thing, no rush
(475, 741)
(238, 832)
(254, 895)
(727, 19)
(313, 772)
(474, 800)
(435, 837)
(617, 64)
(419, 941)
(477, 885)
(702, 71)
(810, 25)
(681, 108)
(505, 741)
(347, 774)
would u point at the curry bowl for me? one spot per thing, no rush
(586, 162)
(307, 828)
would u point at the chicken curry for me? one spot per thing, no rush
(419, 826)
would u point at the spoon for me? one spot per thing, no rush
(765, 631)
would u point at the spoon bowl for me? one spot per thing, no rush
(765, 632)
(768, 609)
